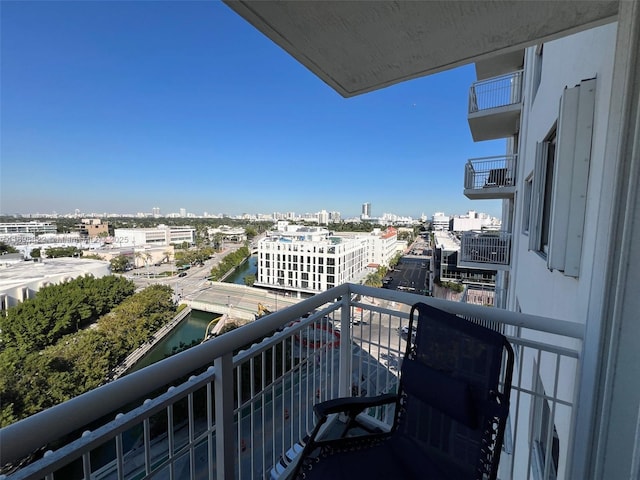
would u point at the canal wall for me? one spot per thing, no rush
(143, 349)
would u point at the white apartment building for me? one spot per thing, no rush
(557, 181)
(383, 246)
(160, 235)
(474, 221)
(440, 222)
(311, 260)
(28, 227)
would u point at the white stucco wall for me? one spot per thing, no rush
(566, 62)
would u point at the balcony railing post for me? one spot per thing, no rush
(344, 385)
(223, 394)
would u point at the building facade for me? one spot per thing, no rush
(28, 227)
(21, 281)
(308, 260)
(160, 235)
(93, 227)
(555, 183)
(440, 222)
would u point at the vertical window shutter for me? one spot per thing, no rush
(575, 129)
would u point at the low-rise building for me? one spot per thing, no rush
(160, 235)
(28, 227)
(21, 281)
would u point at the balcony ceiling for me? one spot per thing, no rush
(360, 46)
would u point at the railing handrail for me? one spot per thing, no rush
(479, 89)
(493, 157)
(27, 435)
(498, 78)
(488, 233)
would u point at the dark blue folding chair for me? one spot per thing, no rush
(450, 410)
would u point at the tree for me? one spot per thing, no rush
(251, 232)
(38, 378)
(36, 253)
(5, 248)
(58, 252)
(249, 280)
(119, 264)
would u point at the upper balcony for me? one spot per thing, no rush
(488, 249)
(490, 177)
(494, 107)
(230, 407)
(499, 64)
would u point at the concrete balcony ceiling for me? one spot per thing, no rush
(360, 46)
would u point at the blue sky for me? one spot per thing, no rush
(126, 106)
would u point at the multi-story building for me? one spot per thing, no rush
(92, 227)
(382, 246)
(446, 253)
(28, 227)
(312, 259)
(554, 102)
(160, 235)
(474, 221)
(440, 222)
(366, 211)
(323, 217)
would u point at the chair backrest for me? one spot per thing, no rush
(497, 177)
(455, 385)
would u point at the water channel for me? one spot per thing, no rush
(193, 327)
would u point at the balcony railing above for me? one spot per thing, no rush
(490, 177)
(240, 400)
(485, 250)
(494, 107)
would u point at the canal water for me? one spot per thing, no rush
(193, 327)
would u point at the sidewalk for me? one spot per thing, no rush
(142, 350)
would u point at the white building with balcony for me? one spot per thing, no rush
(312, 259)
(556, 175)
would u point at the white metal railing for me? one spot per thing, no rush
(490, 172)
(496, 92)
(489, 248)
(242, 399)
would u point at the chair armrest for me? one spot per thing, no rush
(352, 405)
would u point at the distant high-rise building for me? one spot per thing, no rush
(183, 212)
(366, 210)
(156, 211)
(323, 217)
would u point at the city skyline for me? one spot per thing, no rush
(126, 106)
(155, 212)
